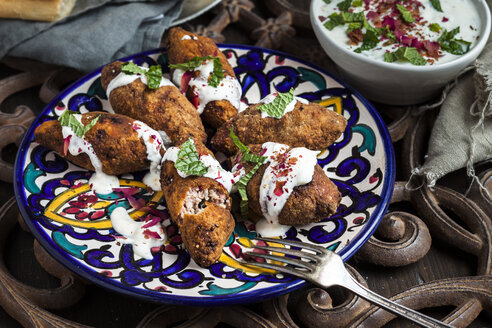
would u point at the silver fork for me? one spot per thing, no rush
(325, 269)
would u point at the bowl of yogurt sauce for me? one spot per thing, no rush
(401, 52)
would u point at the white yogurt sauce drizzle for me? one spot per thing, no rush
(286, 170)
(134, 233)
(100, 182)
(123, 79)
(153, 144)
(228, 89)
(215, 171)
(188, 37)
(290, 106)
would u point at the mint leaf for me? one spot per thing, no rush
(405, 14)
(448, 36)
(412, 55)
(91, 124)
(409, 54)
(344, 5)
(436, 4)
(188, 160)
(336, 19)
(68, 119)
(243, 182)
(217, 73)
(154, 76)
(132, 68)
(353, 17)
(450, 44)
(327, 1)
(457, 46)
(370, 41)
(357, 3)
(354, 26)
(241, 188)
(191, 64)
(333, 21)
(434, 27)
(277, 107)
(246, 155)
(388, 33)
(390, 57)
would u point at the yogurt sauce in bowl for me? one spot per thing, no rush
(435, 31)
(415, 67)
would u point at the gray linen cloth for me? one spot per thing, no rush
(462, 133)
(95, 33)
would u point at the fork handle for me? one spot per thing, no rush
(417, 317)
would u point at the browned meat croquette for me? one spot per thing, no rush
(200, 206)
(163, 109)
(308, 125)
(308, 203)
(115, 142)
(182, 49)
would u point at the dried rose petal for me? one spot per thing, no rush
(66, 144)
(194, 99)
(185, 80)
(153, 220)
(136, 203)
(127, 192)
(151, 234)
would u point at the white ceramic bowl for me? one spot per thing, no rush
(391, 83)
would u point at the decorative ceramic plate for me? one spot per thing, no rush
(73, 223)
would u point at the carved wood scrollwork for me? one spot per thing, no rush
(27, 304)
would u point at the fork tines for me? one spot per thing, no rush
(310, 266)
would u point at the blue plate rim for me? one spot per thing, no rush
(244, 297)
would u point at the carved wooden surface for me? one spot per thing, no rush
(432, 250)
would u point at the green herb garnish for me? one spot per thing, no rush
(246, 155)
(452, 45)
(405, 53)
(277, 107)
(153, 74)
(68, 119)
(336, 19)
(344, 5)
(436, 4)
(333, 21)
(243, 182)
(405, 14)
(357, 3)
(188, 160)
(388, 33)
(354, 26)
(370, 40)
(217, 73)
(434, 27)
(327, 1)
(132, 68)
(241, 188)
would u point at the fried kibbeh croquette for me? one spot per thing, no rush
(200, 206)
(116, 144)
(308, 203)
(163, 109)
(308, 125)
(184, 46)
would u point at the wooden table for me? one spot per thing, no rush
(445, 273)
